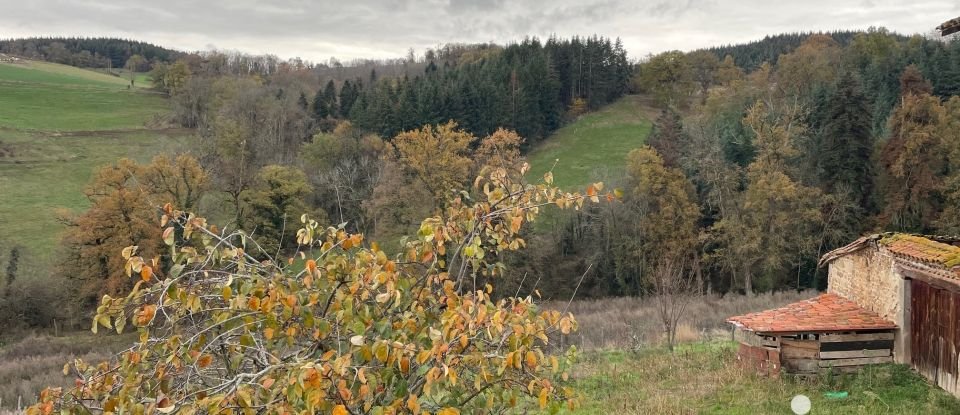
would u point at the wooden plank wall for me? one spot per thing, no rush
(840, 352)
(935, 336)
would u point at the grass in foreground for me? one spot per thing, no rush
(595, 145)
(705, 378)
(46, 96)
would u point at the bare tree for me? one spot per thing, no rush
(674, 289)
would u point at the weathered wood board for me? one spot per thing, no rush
(850, 354)
(855, 362)
(857, 337)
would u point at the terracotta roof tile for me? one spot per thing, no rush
(920, 249)
(826, 312)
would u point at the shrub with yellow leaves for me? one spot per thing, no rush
(352, 331)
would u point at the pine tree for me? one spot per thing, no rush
(330, 98)
(348, 95)
(302, 102)
(667, 137)
(320, 110)
(846, 144)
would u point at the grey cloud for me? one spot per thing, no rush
(319, 29)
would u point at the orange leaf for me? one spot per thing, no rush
(427, 256)
(146, 314)
(146, 272)
(340, 410)
(591, 191)
(204, 361)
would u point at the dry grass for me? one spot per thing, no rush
(34, 362)
(633, 323)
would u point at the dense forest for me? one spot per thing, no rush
(530, 87)
(781, 164)
(751, 55)
(87, 52)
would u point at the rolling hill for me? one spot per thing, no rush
(57, 125)
(48, 96)
(595, 146)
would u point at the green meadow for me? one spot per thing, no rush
(51, 97)
(58, 124)
(593, 147)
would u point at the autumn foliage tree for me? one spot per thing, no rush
(913, 158)
(349, 331)
(438, 155)
(772, 222)
(120, 215)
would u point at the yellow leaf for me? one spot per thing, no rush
(268, 333)
(129, 252)
(449, 411)
(531, 359)
(543, 398)
(340, 410)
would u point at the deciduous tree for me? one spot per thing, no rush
(913, 160)
(124, 198)
(352, 331)
(439, 157)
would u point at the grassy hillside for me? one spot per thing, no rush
(595, 146)
(57, 125)
(49, 172)
(47, 96)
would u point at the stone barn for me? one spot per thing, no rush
(910, 283)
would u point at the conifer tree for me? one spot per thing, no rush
(846, 145)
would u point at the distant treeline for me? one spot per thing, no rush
(751, 55)
(529, 87)
(99, 52)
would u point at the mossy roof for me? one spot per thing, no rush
(941, 252)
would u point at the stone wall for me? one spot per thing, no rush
(870, 278)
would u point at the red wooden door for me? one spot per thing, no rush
(934, 333)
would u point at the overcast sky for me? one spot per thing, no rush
(317, 30)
